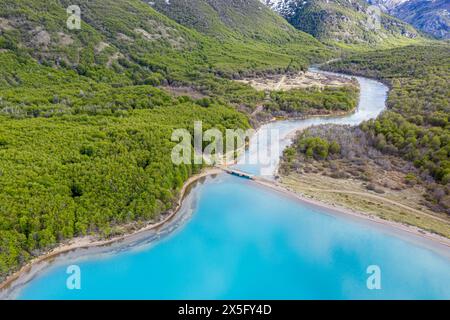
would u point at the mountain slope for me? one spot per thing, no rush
(247, 22)
(119, 34)
(387, 5)
(429, 16)
(344, 22)
(231, 18)
(107, 27)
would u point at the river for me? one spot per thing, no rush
(234, 239)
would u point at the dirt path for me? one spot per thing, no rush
(382, 199)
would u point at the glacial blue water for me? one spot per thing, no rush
(246, 242)
(236, 240)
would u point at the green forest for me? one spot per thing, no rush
(313, 100)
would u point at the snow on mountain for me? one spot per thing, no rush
(387, 5)
(430, 16)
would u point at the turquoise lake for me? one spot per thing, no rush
(245, 242)
(236, 240)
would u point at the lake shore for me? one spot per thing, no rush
(89, 242)
(432, 238)
(432, 241)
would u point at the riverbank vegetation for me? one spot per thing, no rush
(302, 94)
(313, 101)
(416, 127)
(406, 149)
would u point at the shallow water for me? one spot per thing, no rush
(244, 242)
(236, 240)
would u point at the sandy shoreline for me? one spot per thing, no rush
(91, 242)
(335, 209)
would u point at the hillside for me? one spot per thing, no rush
(230, 19)
(429, 16)
(245, 22)
(345, 23)
(120, 34)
